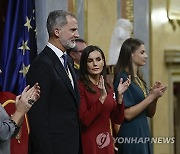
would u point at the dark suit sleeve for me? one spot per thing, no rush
(38, 115)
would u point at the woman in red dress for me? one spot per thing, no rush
(98, 104)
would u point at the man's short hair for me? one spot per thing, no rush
(57, 18)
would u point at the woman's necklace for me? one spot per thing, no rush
(141, 85)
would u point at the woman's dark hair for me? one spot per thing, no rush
(124, 62)
(83, 68)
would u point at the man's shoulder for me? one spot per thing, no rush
(42, 56)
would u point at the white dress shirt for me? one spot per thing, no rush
(59, 53)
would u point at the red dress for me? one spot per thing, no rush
(95, 120)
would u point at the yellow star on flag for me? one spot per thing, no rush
(24, 47)
(28, 23)
(24, 70)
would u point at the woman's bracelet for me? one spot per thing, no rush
(16, 126)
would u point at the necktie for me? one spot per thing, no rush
(64, 56)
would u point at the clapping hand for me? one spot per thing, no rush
(158, 90)
(29, 95)
(122, 87)
(101, 86)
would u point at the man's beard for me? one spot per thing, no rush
(68, 44)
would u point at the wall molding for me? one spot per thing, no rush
(172, 55)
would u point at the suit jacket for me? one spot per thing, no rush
(53, 119)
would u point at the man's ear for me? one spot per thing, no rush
(57, 31)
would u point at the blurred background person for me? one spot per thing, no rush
(75, 54)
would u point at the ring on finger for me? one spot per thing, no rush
(31, 101)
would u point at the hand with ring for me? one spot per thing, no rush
(24, 102)
(28, 97)
(31, 101)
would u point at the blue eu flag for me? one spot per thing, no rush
(18, 46)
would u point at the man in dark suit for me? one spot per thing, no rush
(75, 54)
(54, 122)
